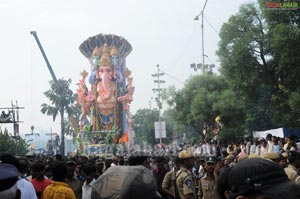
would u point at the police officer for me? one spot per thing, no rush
(184, 177)
(168, 185)
(208, 184)
(292, 169)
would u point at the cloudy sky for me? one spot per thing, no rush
(160, 31)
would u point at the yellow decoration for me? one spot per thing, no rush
(114, 51)
(105, 56)
(218, 119)
(84, 74)
(96, 51)
(127, 72)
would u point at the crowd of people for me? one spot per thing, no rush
(265, 168)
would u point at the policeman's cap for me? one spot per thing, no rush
(8, 176)
(271, 156)
(211, 160)
(254, 155)
(184, 154)
(230, 157)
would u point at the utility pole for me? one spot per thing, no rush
(29, 135)
(50, 147)
(202, 32)
(159, 104)
(150, 101)
(204, 67)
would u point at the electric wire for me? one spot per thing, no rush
(176, 61)
(210, 25)
(171, 76)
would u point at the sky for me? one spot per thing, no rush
(160, 31)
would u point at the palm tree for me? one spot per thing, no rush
(62, 99)
(72, 122)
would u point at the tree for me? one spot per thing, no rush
(168, 95)
(203, 98)
(259, 56)
(72, 122)
(62, 99)
(176, 130)
(144, 125)
(284, 31)
(12, 145)
(244, 53)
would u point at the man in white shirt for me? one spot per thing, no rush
(89, 172)
(270, 143)
(206, 147)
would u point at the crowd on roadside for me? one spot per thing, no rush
(249, 145)
(202, 171)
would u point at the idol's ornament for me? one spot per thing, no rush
(105, 92)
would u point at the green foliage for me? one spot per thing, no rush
(243, 52)
(62, 99)
(70, 128)
(285, 44)
(232, 134)
(168, 95)
(258, 88)
(203, 98)
(259, 52)
(109, 138)
(9, 145)
(144, 125)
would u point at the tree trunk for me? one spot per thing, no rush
(62, 128)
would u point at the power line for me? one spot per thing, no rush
(184, 47)
(210, 25)
(172, 76)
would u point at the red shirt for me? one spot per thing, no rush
(40, 186)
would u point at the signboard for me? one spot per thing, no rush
(160, 130)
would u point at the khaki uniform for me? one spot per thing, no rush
(292, 174)
(169, 181)
(207, 188)
(185, 184)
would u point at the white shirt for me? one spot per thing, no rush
(206, 149)
(113, 164)
(263, 151)
(213, 150)
(248, 148)
(270, 147)
(253, 149)
(87, 189)
(257, 150)
(27, 189)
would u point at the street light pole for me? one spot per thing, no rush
(158, 81)
(159, 107)
(202, 32)
(150, 101)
